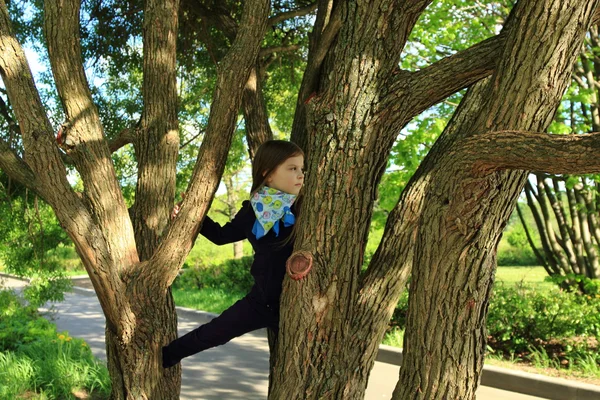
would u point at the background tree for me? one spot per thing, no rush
(565, 207)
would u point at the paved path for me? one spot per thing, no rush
(237, 370)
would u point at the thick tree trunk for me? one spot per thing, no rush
(132, 346)
(466, 209)
(348, 144)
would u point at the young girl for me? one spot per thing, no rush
(266, 220)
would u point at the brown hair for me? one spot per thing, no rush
(270, 155)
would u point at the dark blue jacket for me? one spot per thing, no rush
(270, 254)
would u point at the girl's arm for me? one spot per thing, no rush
(230, 232)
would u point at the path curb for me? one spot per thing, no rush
(500, 378)
(516, 381)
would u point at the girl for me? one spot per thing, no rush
(266, 220)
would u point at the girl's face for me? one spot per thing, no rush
(288, 176)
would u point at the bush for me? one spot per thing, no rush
(20, 324)
(514, 248)
(231, 275)
(528, 323)
(34, 358)
(562, 323)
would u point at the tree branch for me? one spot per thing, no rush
(82, 135)
(554, 154)
(266, 51)
(16, 168)
(37, 134)
(326, 28)
(299, 12)
(42, 154)
(596, 16)
(429, 86)
(125, 137)
(232, 76)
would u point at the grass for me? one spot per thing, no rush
(533, 276)
(76, 272)
(36, 362)
(207, 299)
(582, 372)
(394, 337)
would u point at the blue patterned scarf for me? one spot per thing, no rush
(271, 205)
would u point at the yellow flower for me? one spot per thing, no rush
(82, 344)
(69, 339)
(61, 337)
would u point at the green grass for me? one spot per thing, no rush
(36, 362)
(394, 337)
(76, 272)
(207, 299)
(531, 276)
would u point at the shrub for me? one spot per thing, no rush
(564, 324)
(34, 358)
(231, 275)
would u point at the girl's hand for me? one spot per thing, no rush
(177, 207)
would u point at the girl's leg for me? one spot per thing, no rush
(244, 316)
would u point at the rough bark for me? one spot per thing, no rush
(466, 210)
(348, 145)
(158, 137)
(258, 129)
(134, 295)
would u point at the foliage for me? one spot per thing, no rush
(526, 321)
(575, 282)
(32, 244)
(231, 275)
(34, 358)
(564, 324)
(207, 299)
(444, 28)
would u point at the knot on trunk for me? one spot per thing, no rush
(299, 263)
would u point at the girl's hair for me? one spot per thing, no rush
(269, 156)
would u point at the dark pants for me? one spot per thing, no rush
(246, 315)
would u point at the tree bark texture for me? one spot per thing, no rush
(466, 210)
(133, 293)
(258, 129)
(157, 139)
(332, 321)
(353, 103)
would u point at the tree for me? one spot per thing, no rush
(126, 262)
(565, 207)
(352, 103)
(450, 217)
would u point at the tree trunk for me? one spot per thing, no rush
(465, 212)
(258, 129)
(232, 199)
(134, 294)
(132, 345)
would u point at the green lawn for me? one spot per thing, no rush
(533, 276)
(207, 299)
